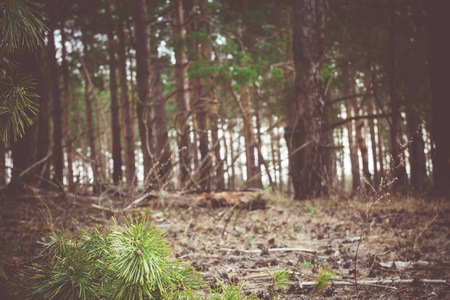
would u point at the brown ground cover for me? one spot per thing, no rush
(394, 248)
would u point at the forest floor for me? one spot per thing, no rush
(394, 248)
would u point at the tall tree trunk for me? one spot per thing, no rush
(201, 108)
(214, 119)
(396, 138)
(66, 109)
(370, 106)
(328, 151)
(115, 124)
(23, 150)
(417, 158)
(259, 163)
(2, 164)
(439, 66)
(360, 139)
(130, 164)
(353, 148)
(380, 144)
(278, 149)
(182, 85)
(253, 176)
(230, 129)
(308, 56)
(342, 161)
(142, 35)
(349, 88)
(88, 116)
(160, 143)
(57, 112)
(273, 152)
(43, 134)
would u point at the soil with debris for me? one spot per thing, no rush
(371, 249)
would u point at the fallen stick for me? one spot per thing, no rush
(377, 282)
(140, 199)
(271, 250)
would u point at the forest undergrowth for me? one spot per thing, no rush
(328, 248)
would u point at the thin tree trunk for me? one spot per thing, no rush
(354, 161)
(342, 161)
(57, 112)
(439, 65)
(278, 149)
(160, 143)
(361, 142)
(128, 132)
(214, 116)
(142, 34)
(182, 85)
(23, 150)
(100, 118)
(253, 176)
(370, 110)
(66, 109)
(43, 135)
(2, 164)
(348, 88)
(381, 154)
(230, 128)
(396, 139)
(328, 151)
(115, 125)
(257, 140)
(88, 116)
(416, 146)
(269, 115)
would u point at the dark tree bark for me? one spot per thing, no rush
(305, 159)
(2, 164)
(202, 90)
(182, 85)
(23, 150)
(439, 66)
(66, 109)
(88, 115)
(396, 139)
(353, 148)
(130, 167)
(328, 150)
(142, 36)
(115, 124)
(160, 147)
(57, 112)
(253, 174)
(361, 140)
(43, 134)
(417, 160)
(376, 178)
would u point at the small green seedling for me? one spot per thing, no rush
(323, 279)
(280, 279)
(231, 291)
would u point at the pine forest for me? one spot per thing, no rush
(291, 149)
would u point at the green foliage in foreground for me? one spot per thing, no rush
(129, 263)
(133, 263)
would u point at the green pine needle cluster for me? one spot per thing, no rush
(20, 25)
(21, 28)
(133, 263)
(323, 279)
(230, 292)
(16, 105)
